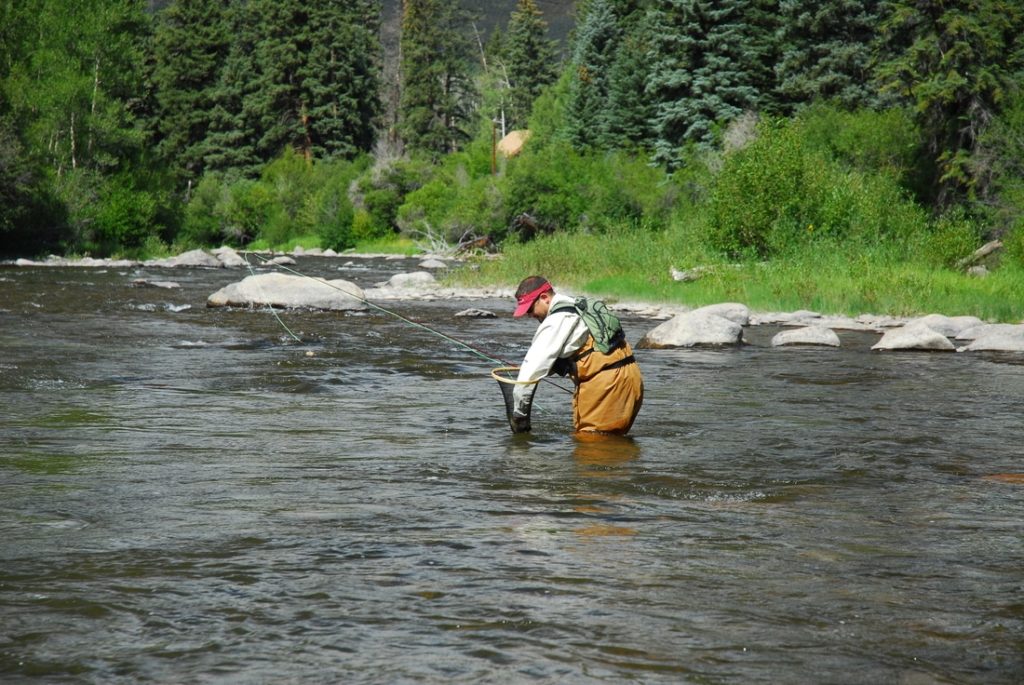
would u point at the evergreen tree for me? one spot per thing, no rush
(709, 64)
(530, 59)
(593, 54)
(826, 52)
(954, 61)
(191, 42)
(230, 146)
(437, 95)
(299, 75)
(628, 112)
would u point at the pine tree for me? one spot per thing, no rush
(826, 53)
(191, 42)
(628, 112)
(230, 146)
(953, 61)
(299, 75)
(529, 58)
(436, 93)
(594, 48)
(710, 64)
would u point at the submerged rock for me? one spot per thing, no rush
(286, 291)
(809, 335)
(692, 329)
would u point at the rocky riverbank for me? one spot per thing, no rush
(715, 325)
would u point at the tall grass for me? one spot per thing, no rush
(633, 265)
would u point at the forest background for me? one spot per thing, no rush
(840, 155)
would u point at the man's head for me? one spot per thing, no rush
(533, 297)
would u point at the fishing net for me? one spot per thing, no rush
(506, 377)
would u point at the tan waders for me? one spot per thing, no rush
(609, 389)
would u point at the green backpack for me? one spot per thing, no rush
(602, 324)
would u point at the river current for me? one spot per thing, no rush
(189, 495)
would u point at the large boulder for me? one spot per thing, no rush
(808, 335)
(914, 336)
(413, 280)
(692, 329)
(284, 290)
(733, 311)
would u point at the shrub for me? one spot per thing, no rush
(245, 210)
(952, 238)
(761, 198)
(202, 224)
(124, 219)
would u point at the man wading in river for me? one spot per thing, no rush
(586, 342)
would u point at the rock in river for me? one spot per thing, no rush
(808, 335)
(914, 336)
(691, 329)
(282, 290)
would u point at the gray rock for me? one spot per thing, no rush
(809, 335)
(999, 338)
(415, 279)
(692, 329)
(914, 336)
(949, 326)
(980, 330)
(192, 258)
(433, 264)
(477, 313)
(230, 258)
(284, 290)
(282, 260)
(737, 313)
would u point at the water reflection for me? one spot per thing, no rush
(599, 455)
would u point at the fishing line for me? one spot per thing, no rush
(475, 350)
(270, 307)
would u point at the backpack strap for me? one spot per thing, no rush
(564, 308)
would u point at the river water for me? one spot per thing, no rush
(188, 495)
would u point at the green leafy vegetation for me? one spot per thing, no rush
(857, 174)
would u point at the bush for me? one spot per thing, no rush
(761, 199)
(779, 193)
(202, 224)
(246, 210)
(952, 238)
(331, 214)
(381, 191)
(124, 219)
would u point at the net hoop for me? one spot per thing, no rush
(510, 381)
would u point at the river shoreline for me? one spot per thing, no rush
(934, 332)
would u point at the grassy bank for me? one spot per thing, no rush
(828, 279)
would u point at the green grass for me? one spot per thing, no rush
(829, 279)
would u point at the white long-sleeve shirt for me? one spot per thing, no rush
(559, 335)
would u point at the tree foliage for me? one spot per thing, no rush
(954, 62)
(437, 92)
(529, 59)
